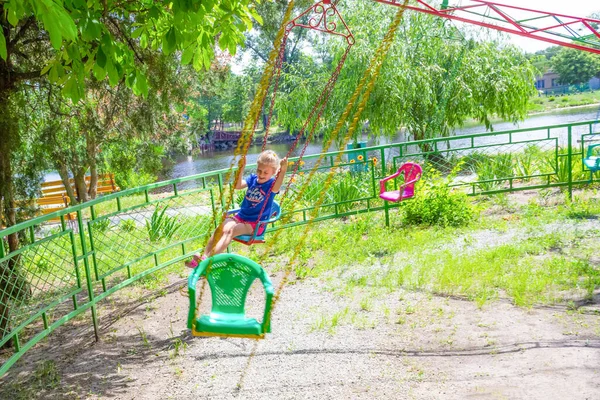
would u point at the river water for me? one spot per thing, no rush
(211, 161)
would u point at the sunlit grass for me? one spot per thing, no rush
(533, 265)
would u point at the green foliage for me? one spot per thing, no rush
(93, 45)
(101, 225)
(134, 162)
(575, 66)
(161, 225)
(46, 375)
(582, 209)
(346, 187)
(560, 168)
(128, 225)
(491, 169)
(238, 197)
(436, 204)
(526, 163)
(431, 86)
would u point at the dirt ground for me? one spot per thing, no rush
(405, 345)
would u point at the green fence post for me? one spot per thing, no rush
(569, 159)
(88, 274)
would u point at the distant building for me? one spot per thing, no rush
(549, 83)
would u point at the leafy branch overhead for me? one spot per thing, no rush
(103, 36)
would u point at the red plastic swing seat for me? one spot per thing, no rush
(412, 173)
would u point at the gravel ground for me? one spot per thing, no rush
(405, 345)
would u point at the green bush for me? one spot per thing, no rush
(436, 204)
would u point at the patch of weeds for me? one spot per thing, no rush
(437, 204)
(362, 321)
(127, 225)
(582, 209)
(46, 375)
(161, 225)
(178, 346)
(101, 225)
(366, 303)
(330, 323)
(144, 336)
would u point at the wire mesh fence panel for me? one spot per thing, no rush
(156, 227)
(35, 281)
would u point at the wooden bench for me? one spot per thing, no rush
(54, 195)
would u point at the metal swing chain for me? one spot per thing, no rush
(371, 74)
(251, 123)
(319, 104)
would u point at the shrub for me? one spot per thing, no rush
(436, 204)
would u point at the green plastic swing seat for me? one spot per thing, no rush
(230, 277)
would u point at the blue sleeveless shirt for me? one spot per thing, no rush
(256, 195)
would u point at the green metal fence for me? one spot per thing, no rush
(64, 269)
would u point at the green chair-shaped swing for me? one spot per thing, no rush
(591, 160)
(230, 277)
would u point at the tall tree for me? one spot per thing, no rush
(432, 79)
(575, 66)
(68, 40)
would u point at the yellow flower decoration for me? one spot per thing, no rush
(300, 173)
(301, 163)
(375, 160)
(360, 157)
(352, 161)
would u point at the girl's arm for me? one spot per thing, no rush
(283, 165)
(241, 182)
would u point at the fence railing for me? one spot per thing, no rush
(64, 269)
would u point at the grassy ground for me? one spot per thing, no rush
(359, 292)
(532, 250)
(553, 102)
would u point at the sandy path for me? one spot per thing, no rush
(407, 345)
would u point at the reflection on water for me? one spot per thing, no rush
(212, 161)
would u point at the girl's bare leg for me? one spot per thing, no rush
(231, 229)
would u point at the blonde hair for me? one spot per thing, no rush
(270, 158)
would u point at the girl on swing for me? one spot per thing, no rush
(270, 172)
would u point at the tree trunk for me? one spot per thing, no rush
(80, 185)
(265, 122)
(8, 140)
(64, 177)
